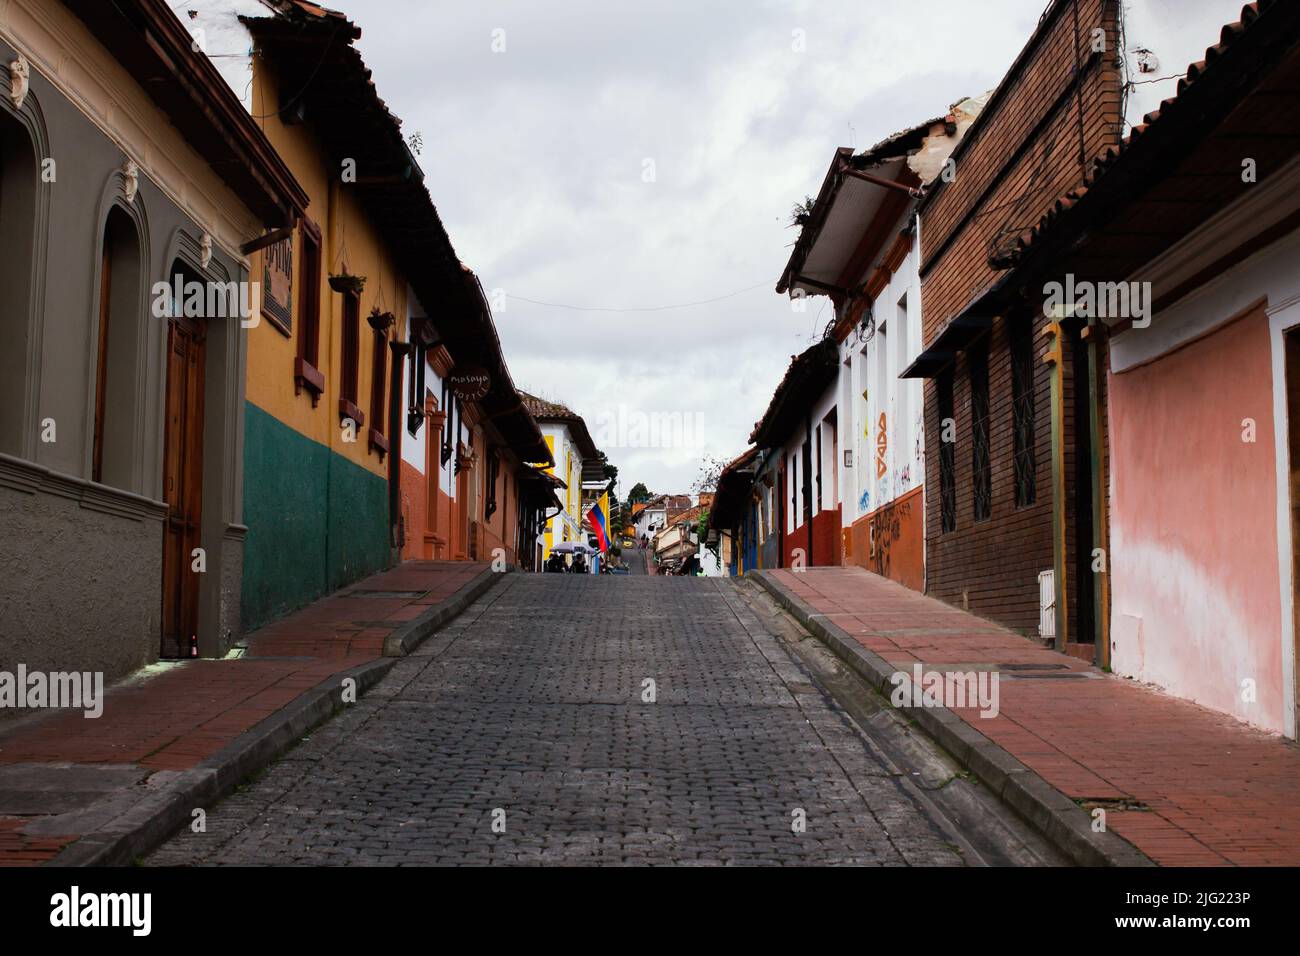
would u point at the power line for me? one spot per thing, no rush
(649, 308)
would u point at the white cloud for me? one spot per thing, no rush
(534, 157)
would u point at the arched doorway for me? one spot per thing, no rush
(18, 190)
(116, 368)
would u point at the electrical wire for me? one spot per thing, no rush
(652, 308)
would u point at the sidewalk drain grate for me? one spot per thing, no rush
(389, 594)
(1072, 675)
(1033, 667)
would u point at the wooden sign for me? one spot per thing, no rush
(277, 284)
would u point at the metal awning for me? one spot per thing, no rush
(959, 334)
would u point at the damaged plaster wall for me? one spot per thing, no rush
(928, 161)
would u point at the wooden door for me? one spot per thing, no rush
(462, 511)
(182, 484)
(1291, 340)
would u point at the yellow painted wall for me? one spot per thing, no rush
(343, 227)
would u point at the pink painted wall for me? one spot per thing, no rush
(1194, 567)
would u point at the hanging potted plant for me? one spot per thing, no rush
(380, 321)
(345, 282)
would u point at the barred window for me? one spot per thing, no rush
(1021, 345)
(947, 456)
(981, 469)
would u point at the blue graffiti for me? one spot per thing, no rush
(864, 503)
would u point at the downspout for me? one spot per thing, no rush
(780, 536)
(808, 483)
(331, 231)
(396, 536)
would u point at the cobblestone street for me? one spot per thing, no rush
(528, 712)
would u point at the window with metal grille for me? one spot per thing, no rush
(977, 360)
(947, 456)
(1021, 345)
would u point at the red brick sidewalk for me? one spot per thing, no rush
(1206, 789)
(171, 717)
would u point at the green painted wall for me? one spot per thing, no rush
(316, 521)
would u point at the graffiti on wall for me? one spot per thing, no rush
(886, 527)
(882, 447)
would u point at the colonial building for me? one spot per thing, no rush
(733, 514)
(859, 245)
(1014, 442)
(466, 492)
(652, 515)
(571, 450)
(1179, 251)
(133, 186)
(374, 337)
(799, 434)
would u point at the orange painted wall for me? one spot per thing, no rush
(898, 530)
(415, 512)
(1196, 606)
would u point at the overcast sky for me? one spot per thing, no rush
(631, 156)
(537, 157)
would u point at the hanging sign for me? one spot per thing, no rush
(469, 383)
(277, 284)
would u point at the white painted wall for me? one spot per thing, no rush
(874, 364)
(650, 518)
(567, 525)
(792, 452)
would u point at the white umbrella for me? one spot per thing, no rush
(565, 547)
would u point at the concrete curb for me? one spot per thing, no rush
(155, 818)
(411, 635)
(1058, 818)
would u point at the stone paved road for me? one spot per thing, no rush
(530, 707)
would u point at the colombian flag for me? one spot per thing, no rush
(599, 518)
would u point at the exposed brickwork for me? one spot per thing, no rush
(991, 567)
(1021, 155)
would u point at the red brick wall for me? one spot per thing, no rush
(997, 186)
(1016, 161)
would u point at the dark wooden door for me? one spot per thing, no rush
(182, 484)
(1291, 339)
